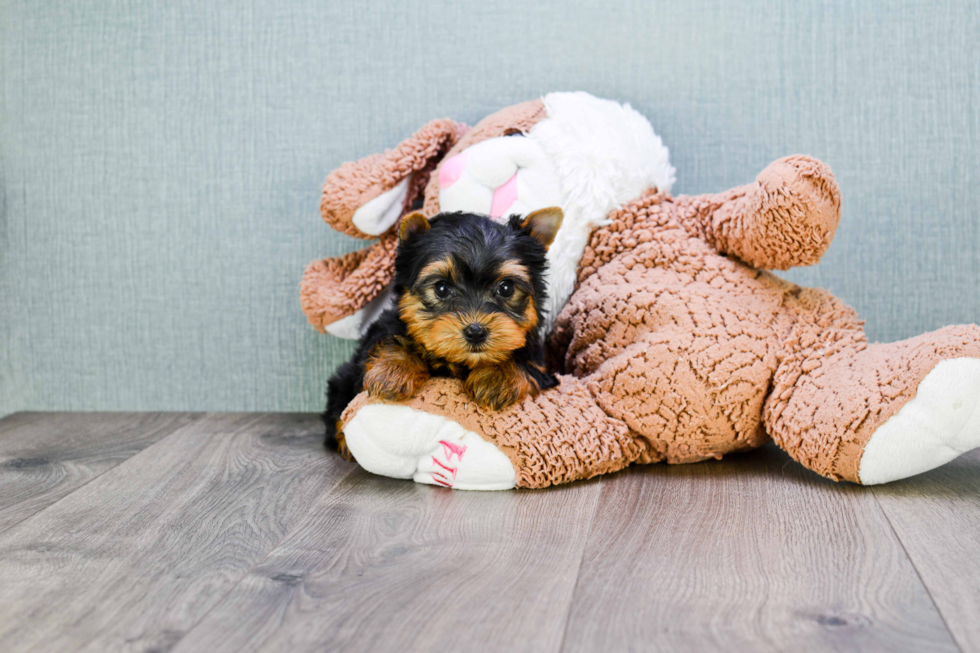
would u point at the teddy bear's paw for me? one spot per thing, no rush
(941, 422)
(402, 442)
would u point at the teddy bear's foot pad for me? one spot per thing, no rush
(940, 423)
(402, 442)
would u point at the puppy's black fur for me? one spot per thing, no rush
(478, 251)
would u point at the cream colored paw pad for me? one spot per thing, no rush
(940, 423)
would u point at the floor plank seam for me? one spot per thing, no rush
(676, 559)
(260, 561)
(192, 422)
(918, 575)
(578, 571)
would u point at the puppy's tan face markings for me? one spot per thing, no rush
(513, 274)
(435, 280)
(437, 311)
(513, 268)
(443, 336)
(443, 268)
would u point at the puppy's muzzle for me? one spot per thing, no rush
(475, 334)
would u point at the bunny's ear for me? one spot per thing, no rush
(365, 198)
(340, 289)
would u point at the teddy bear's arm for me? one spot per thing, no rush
(364, 198)
(786, 218)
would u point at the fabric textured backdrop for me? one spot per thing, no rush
(160, 161)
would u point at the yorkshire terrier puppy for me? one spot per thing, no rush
(468, 297)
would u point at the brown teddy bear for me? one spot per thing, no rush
(674, 342)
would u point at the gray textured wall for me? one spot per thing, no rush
(160, 161)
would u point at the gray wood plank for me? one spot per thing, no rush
(45, 456)
(385, 565)
(752, 553)
(133, 559)
(937, 518)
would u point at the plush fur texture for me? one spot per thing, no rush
(605, 154)
(675, 352)
(468, 297)
(676, 345)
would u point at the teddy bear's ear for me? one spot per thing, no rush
(412, 225)
(544, 224)
(365, 198)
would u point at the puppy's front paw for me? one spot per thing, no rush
(342, 444)
(498, 386)
(393, 373)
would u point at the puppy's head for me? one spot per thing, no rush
(470, 290)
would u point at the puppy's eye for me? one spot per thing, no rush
(505, 288)
(441, 289)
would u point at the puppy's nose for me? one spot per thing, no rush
(475, 333)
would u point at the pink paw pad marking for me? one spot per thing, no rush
(451, 470)
(449, 449)
(503, 197)
(451, 170)
(440, 479)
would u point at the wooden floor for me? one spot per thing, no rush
(238, 532)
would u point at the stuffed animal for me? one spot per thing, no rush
(673, 341)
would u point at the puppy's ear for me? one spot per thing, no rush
(544, 224)
(412, 225)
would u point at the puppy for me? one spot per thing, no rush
(468, 297)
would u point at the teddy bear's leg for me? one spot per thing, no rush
(940, 423)
(688, 398)
(670, 396)
(877, 413)
(441, 437)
